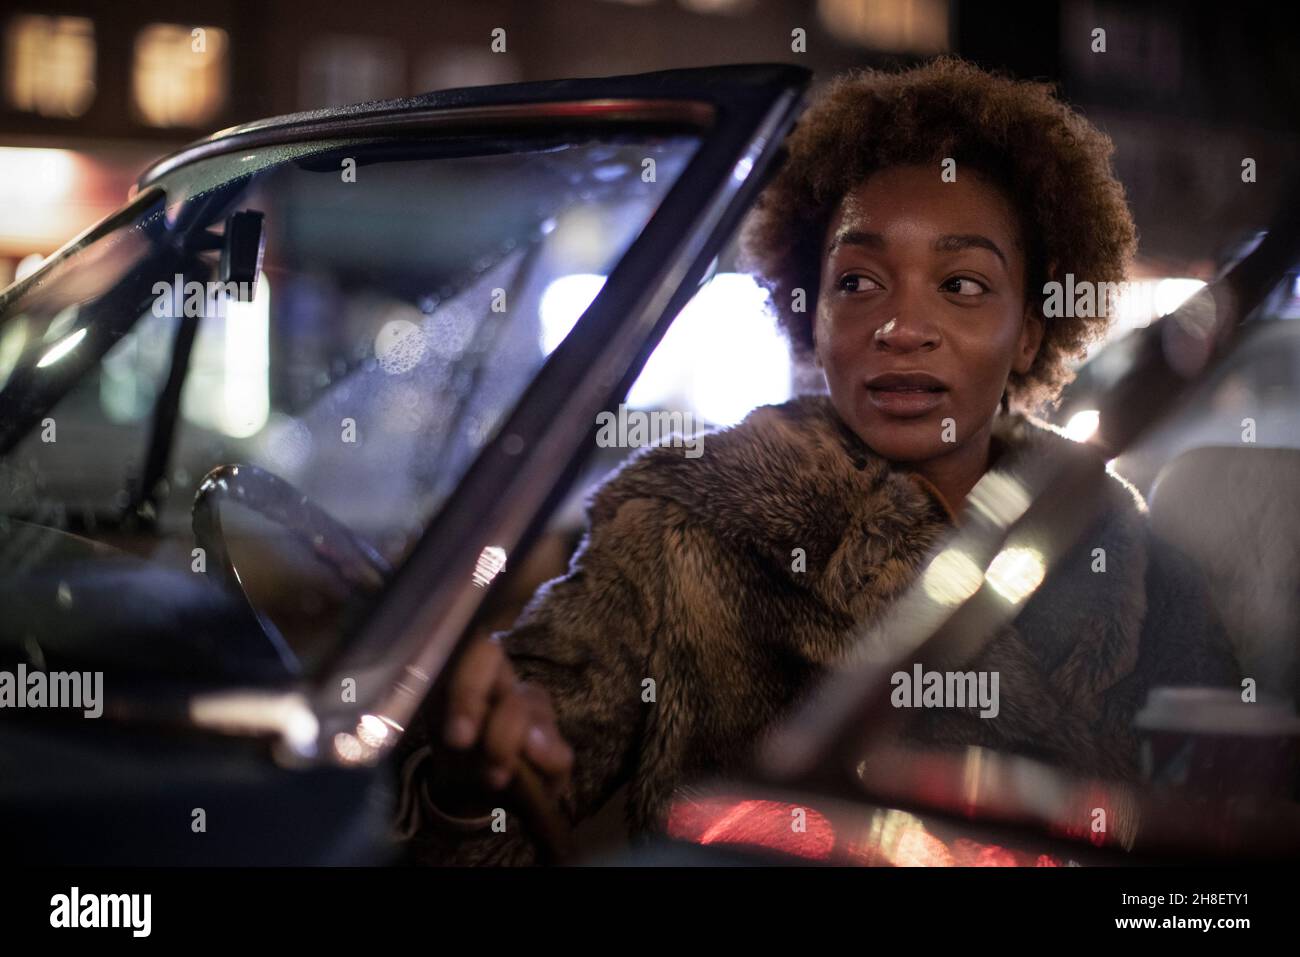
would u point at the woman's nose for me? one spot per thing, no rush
(906, 331)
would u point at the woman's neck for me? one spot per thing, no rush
(956, 473)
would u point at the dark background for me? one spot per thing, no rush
(1185, 90)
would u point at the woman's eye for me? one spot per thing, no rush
(856, 283)
(964, 286)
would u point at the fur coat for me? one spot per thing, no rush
(686, 579)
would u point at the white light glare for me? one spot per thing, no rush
(951, 578)
(1083, 425)
(723, 356)
(564, 301)
(490, 562)
(1016, 573)
(61, 349)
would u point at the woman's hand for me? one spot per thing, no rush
(505, 721)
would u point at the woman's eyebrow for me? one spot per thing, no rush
(956, 243)
(952, 243)
(856, 237)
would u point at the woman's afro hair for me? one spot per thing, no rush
(1050, 162)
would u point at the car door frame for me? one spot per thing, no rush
(742, 113)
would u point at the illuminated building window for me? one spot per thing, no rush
(911, 26)
(180, 74)
(50, 65)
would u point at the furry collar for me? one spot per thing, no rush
(794, 476)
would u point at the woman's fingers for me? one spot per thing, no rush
(521, 726)
(503, 738)
(544, 746)
(480, 674)
(508, 719)
(549, 752)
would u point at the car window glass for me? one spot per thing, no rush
(405, 298)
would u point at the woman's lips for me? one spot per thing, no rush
(906, 395)
(905, 403)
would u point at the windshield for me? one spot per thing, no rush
(352, 317)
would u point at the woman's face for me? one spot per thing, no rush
(921, 312)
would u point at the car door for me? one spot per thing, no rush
(288, 761)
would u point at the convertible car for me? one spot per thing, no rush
(281, 434)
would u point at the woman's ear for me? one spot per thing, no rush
(1031, 338)
(1033, 327)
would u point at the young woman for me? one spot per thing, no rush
(906, 241)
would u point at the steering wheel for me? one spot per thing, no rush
(351, 558)
(357, 563)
